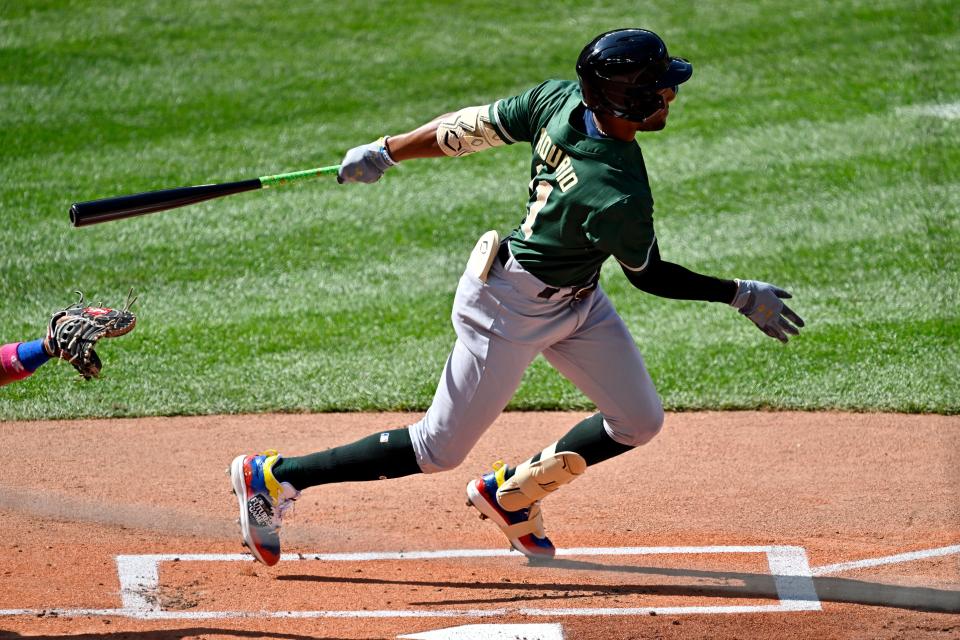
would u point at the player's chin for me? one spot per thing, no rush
(655, 123)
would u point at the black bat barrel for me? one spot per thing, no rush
(96, 211)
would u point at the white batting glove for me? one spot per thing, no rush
(761, 302)
(366, 163)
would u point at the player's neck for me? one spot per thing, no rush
(616, 128)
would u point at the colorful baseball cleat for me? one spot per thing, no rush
(263, 501)
(523, 528)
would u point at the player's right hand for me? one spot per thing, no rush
(366, 163)
(761, 302)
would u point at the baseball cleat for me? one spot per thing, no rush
(263, 501)
(523, 528)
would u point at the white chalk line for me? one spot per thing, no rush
(139, 582)
(894, 559)
(792, 577)
(399, 613)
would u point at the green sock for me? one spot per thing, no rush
(382, 455)
(590, 440)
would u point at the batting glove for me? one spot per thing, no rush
(366, 163)
(761, 302)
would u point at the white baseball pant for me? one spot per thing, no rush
(501, 326)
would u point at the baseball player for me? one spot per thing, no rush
(535, 292)
(71, 335)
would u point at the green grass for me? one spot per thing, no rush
(799, 154)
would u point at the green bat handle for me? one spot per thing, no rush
(295, 176)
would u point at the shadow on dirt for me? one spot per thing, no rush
(731, 585)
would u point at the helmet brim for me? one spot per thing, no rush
(678, 72)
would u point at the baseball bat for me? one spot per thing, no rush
(83, 214)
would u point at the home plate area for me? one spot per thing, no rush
(593, 581)
(496, 594)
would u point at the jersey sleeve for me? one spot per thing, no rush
(625, 231)
(669, 280)
(518, 118)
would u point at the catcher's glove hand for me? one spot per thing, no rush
(73, 332)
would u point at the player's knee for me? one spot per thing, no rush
(638, 429)
(435, 461)
(648, 426)
(446, 460)
(437, 449)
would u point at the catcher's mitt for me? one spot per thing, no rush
(73, 332)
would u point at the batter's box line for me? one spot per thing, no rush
(793, 580)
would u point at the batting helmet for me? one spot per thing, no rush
(621, 71)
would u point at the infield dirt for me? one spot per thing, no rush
(845, 487)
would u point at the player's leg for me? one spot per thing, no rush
(467, 401)
(470, 395)
(378, 456)
(267, 484)
(602, 360)
(472, 392)
(447, 447)
(479, 378)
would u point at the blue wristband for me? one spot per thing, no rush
(32, 354)
(385, 153)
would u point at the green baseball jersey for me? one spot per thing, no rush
(589, 198)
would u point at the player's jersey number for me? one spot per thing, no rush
(544, 189)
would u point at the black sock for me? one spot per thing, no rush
(590, 440)
(387, 454)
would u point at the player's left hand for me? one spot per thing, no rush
(761, 302)
(366, 163)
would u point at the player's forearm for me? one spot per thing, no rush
(453, 134)
(419, 143)
(669, 280)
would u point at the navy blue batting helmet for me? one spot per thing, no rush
(621, 71)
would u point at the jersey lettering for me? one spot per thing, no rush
(566, 177)
(557, 160)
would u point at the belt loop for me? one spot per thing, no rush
(583, 292)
